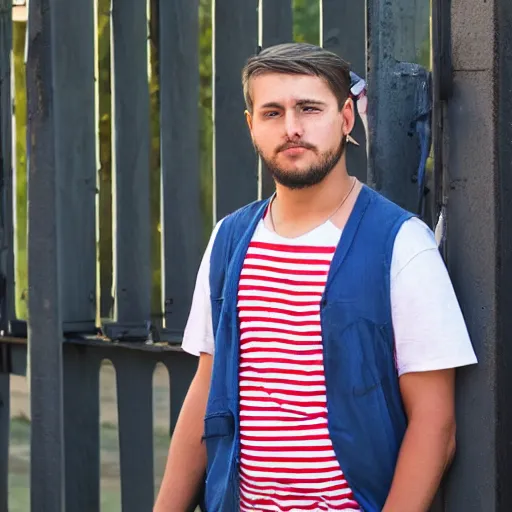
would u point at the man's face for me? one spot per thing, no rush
(297, 127)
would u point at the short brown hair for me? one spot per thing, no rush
(299, 59)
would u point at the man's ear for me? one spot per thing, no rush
(248, 118)
(349, 115)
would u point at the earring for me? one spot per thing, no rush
(352, 140)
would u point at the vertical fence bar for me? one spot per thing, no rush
(179, 122)
(135, 413)
(81, 427)
(45, 321)
(394, 150)
(131, 233)
(6, 239)
(5, 424)
(276, 21)
(235, 32)
(75, 159)
(343, 31)
(182, 367)
(7, 310)
(276, 27)
(442, 83)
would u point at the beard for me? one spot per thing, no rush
(300, 179)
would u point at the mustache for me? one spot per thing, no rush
(288, 145)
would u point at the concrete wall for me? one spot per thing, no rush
(478, 143)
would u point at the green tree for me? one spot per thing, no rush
(20, 103)
(306, 21)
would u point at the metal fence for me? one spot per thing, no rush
(68, 332)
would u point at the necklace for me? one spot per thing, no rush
(271, 218)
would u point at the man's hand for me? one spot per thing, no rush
(429, 443)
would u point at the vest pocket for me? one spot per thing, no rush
(218, 425)
(219, 433)
(364, 402)
(357, 350)
(365, 344)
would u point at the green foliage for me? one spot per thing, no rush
(306, 21)
(20, 103)
(424, 51)
(155, 164)
(205, 113)
(105, 157)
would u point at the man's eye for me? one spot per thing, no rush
(310, 109)
(271, 114)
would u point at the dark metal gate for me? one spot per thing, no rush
(73, 325)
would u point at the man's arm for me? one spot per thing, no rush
(186, 462)
(429, 443)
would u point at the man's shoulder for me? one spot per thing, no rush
(384, 218)
(240, 219)
(228, 233)
(383, 203)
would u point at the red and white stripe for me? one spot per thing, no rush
(287, 459)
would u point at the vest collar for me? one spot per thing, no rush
(349, 231)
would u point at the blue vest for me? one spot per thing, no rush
(366, 419)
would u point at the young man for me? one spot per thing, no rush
(325, 322)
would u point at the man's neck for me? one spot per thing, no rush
(295, 212)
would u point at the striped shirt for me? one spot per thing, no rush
(287, 462)
(278, 417)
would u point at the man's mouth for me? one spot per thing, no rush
(294, 150)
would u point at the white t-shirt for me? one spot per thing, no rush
(430, 332)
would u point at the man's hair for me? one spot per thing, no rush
(299, 59)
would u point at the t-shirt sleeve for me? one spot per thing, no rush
(198, 334)
(430, 331)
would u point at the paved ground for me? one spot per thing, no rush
(19, 461)
(20, 402)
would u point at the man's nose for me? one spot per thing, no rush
(293, 125)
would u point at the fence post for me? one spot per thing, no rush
(7, 311)
(81, 375)
(5, 424)
(343, 31)
(394, 79)
(478, 127)
(179, 128)
(235, 32)
(6, 239)
(45, 319)
(276, 27)
(135, 413)
(131, 132)
(75, 159)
